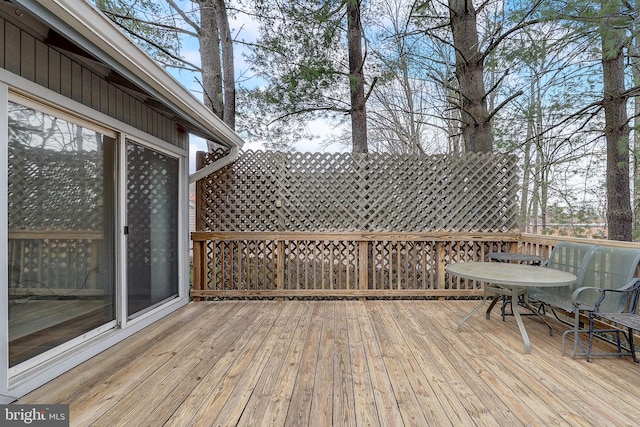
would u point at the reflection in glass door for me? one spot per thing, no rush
(152, 227)
(61, 204)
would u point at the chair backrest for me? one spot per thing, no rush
(570, 257)
(609, 268)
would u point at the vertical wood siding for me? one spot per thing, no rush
(28, 57)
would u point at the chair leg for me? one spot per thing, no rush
(618, 342)
(591, 325)
(632, 346)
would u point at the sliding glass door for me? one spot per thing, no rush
(63, 234)
(61, 245)
(152, 227)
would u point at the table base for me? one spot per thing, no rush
(512, 292)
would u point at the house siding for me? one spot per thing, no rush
(39, 70)
(25, 55)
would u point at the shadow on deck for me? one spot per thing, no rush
(369, 363)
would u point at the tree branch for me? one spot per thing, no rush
(503, 103)
(308, 110)
(522, 24)
(497, 83)
(160, 48)
(373, 83)
(184, 16)
(497, 41)
(578, 113)
(113, 16)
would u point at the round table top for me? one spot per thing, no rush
(511, 274)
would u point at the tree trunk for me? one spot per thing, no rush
(228, 68)
(636, 157)
(356, 78)
(210, 58)
(453, 117)
(616, 131)
(476, 126)
(535, 194)
(635, 61)
(414, 143)
(526, 169)
(544, 198)
(544, 165)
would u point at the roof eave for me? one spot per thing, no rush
(93, 31)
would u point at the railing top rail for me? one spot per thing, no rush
(56, 234)
(408, 236)
(351, 236)
(553, 240)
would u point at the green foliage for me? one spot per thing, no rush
(301, 57)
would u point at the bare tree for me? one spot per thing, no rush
(471, 50)
(157, 26)
(635, 62)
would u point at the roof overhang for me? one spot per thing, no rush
(88, 28)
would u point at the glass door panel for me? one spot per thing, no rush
(152, 227)
(61, 181)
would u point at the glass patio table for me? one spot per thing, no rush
(511, 280)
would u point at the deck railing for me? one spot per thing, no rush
(48, 262)
(349, 264)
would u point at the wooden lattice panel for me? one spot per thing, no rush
(244, 265)
(272, 191)
(55, 221)
(47, 189)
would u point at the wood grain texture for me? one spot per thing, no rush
(358, 363)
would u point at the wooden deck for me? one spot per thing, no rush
(341, 363)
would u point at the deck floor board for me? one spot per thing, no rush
(346, 363)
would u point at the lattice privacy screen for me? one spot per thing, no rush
(50, 188)
(275, 191)
(52, 195)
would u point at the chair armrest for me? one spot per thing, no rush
(631, 288)
(581, 305)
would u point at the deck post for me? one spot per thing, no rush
(198, 267)
(440, 264)
(363, 266)
(280, 267)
